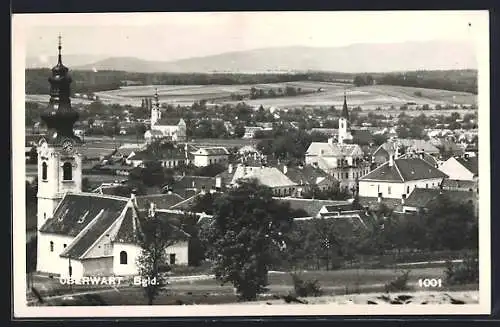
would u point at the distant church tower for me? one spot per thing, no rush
(344, 123)
(59, 163)
(155, 110)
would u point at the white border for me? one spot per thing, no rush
(21, 310)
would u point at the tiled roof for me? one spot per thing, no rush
(169, 154)
(311, 206)
(269, 176)
(361, 136)
(404, 169)
(470, 163)
(333, 149)
(98, 226)
(162, 201)
(129, 230)
(303, 175)
(191, 182)
(84, 207)
(420, 197)
(431, 160)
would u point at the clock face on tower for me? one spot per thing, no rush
(68, 146)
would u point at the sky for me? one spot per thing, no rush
(171, 36)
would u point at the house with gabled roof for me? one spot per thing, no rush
(93, 234)
(464, 168)
(210, 155)
(398, 177)
(271, 177)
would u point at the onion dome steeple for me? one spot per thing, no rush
(59, 116)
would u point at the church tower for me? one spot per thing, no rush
(59, 162)
(343, 132)
(155, 110)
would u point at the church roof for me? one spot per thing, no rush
(76, 210)
(169, 121)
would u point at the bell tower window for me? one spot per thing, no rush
(44, 171)
(67, 171)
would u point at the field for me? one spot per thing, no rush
(368, 97)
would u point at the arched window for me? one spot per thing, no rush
(51, 246)
(123, 258)
(44, 171)
(67, 171)
(407, 189)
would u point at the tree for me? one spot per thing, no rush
(157, 236)
(239, 130)
(247, 224)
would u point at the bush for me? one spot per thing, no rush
(305, 288)
(464, 272)
(399, 284)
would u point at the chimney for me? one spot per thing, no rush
(396, 153)
(285, 169)
(218, 182)
(230, 168)
(330, 140)
(379, 199)
(133, 197)
(391, 160)
(403, 198)
(422, 155)
(202, 191)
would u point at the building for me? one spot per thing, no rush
(398, 177)
(208, 156)
(464, 168)
(420, 198)
(168, 155)
(308, 177)
(83, 234)
(271, 177)
(162, 128)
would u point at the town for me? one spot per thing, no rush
(250, 188)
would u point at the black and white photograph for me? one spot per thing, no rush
(251, 163)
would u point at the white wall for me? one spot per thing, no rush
(455, 170)
(133, 251)
(51, 262)
(371, 188)
(204, 160)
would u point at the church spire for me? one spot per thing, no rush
(345, 110)
(59, 116)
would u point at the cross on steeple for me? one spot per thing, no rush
(59, 59)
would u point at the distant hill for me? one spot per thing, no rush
(425, 55)
(69, 60)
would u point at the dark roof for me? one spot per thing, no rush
(162, 201)
(470, 163)
(430, 159)
(168, 121)
(174, 153)
(303, 175)
(456, 183)
(127, 234)
(361, 136)
(80, 245)
(198, 182)
(420, 197)
(75, 206)
(187, 203)
(404, 169)
(311, 206)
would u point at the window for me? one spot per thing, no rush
(123, 258)
(82, 218)
(44, 171)
(407, 189)
(210, 161)
(65, 245)
(426, 185)
(67, 171)
(378, 188)
(44, 215)
(51, 246)
(388, 190)
(172, 258)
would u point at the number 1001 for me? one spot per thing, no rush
(430, 282)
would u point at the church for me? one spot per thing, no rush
(85, 234)
(163, 128)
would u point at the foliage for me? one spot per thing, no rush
(305, 288)
(400, 283)
(463, 272)
(157, 235)
(247, 223)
